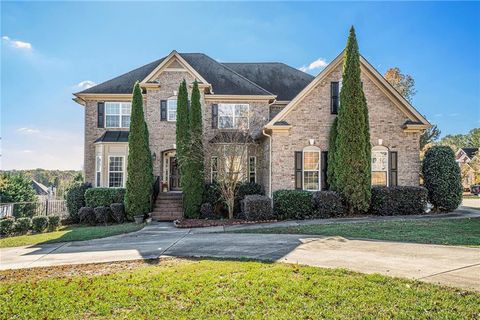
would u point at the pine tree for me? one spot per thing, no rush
(195, 166)
(139, 168)
(331, 155)
(352, 156)
(182, 133)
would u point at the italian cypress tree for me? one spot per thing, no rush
(195, 167)
(331, 155)
(182, 133)
(139, 168)
(352, 155)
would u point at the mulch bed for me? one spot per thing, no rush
(201, 223)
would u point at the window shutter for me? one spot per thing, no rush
(324, 165)
(334, 88)
(163, 110)
(101, 114)
(393, 168)
(214, 116)
(298, 169)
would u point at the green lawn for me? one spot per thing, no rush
(440, 231)
(193, 289)
(70, 233)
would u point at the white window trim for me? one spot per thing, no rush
(168, 109)
(254, 168)
(382, 149)
(120, 114)
(211, 168)
(306, 150)
(98, 170)
(234, 117)
(123, 170)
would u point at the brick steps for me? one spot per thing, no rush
(168, 207)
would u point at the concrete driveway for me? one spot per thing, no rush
(448, 265)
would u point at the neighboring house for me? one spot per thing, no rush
(469, 162)
(289, 114)
(42, 191)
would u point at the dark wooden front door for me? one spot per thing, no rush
(174, 175)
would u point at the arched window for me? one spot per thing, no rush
(379, 166)
(311, 168)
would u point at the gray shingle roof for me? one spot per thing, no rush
(282, 80)
(470, 152)
(227, 78)
(113, 136)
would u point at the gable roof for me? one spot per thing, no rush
(40, 188)
(470, 152)
(272, 79)
(416, 120)
(280, 79)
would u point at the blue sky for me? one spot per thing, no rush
(50, 50)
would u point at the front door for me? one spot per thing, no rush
(174, 175)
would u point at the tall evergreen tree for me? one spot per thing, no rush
(139, 168)
(182, 133)
(353, 149)
(195, 165)
(332, 143)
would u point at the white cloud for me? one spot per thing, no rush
(26, 130)
(86, 84)
(17, 43)
(320, 63)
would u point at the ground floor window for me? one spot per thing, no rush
(311, 169)
(98, 171)
(379, 166)
(252, 169)
(116, 171)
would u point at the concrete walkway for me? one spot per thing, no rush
(448, 265)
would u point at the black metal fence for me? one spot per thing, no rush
(31, 209)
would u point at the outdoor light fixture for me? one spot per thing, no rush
(154, 156)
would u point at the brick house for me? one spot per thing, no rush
(288, 113)
(469, 162)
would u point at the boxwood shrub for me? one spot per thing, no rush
(75, 199)
(53, 223)
(22, 225)
(398, 200)
(87, 215)
(39, 224)
(101, 214)
(96, 197)
(441, 176)
(329, 204)
(292, 204)
(6, 226)
(117, 212)
(256, 207)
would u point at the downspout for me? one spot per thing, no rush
(269, 163)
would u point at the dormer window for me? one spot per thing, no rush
(117, 114)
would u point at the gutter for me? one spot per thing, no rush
(269, 163)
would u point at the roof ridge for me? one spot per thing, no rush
(282, 63)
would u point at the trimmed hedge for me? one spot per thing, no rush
(22, 225)
(207, 212)
(39, 224)
(292, 204)
(256, 207)
(101, 214)
(53, 223)
(401, 200)
(441, 176)
(117, 212)
(329, 204)
(75, 199)
(87, 215)
(7, 226)
(97, 197)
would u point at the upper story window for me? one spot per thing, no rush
(172, 109)
(233, 116)
(379, 166)
(117, 114)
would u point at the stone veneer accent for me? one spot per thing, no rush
(311, 119)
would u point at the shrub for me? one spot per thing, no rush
(87, 215)
(101, 214)
(53, 223)
(97, 197)
(245, 189)
(292, 204)
(206, 211)
(257, 207)
(328, 204)
(39, 224)
(398, 200)
(117, 211)
(6, 226)
(441, 176)
(76, 199)
(22, 225)
(211, 194)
